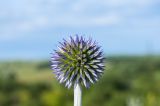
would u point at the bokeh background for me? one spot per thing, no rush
(128, 31)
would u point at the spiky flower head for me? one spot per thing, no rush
(78, 61)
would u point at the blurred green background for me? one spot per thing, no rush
(128, 81)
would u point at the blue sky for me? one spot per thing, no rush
(30, 29)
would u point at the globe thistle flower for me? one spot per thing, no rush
(78, 61)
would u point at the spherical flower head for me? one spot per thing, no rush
(78, 61)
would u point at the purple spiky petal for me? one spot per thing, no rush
(78, 61)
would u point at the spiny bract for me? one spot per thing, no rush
(78, 61)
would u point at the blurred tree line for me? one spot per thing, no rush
(127, 81)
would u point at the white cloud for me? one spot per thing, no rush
(16, 29)
(111, 19)
(82, 5)
(118, 3)
(29, 15)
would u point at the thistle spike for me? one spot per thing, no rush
(78, 61)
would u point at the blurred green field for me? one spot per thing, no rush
(128, 81)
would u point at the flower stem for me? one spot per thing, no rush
(77, 95)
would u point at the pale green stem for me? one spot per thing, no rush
(77, 95)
